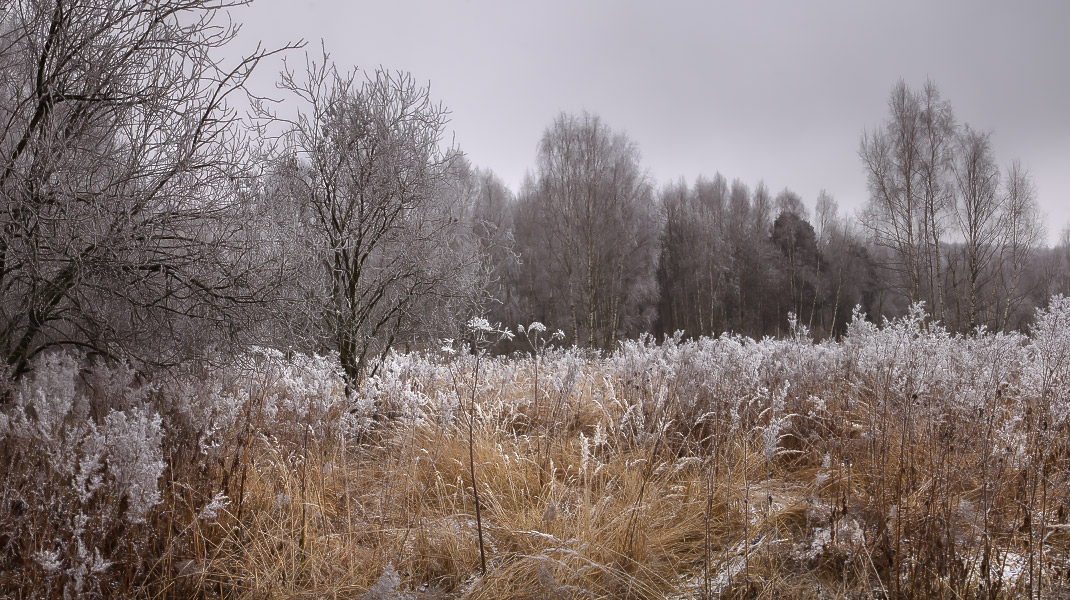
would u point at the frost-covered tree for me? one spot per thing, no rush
(379, 231)
(979, 224)
(907, 162)
(590, 228)
(120, 167)
(952, 231)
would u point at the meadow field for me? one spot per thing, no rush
(898, 462)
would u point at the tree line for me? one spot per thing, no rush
(144, 218)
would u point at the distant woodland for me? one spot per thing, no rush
(145, 218)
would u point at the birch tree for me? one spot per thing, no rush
(591, 213)
(979, 222)
(907, 162)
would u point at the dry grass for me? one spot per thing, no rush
(681, 471)
(628, 518)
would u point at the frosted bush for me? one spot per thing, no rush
(403, 386)
(778, 419)
(88, 477)
(288, 396)
(1049, 354)
(51, 417)
(201, 409)
(49, 560)
(135, 458)
(113, 383)
(261, 393)
(45, 400)
(902, 362)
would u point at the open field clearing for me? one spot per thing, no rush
(898, 462)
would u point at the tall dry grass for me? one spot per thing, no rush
(899, 462)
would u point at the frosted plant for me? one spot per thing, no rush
(823, 474)
(49, 560)
(800, 334)
(211, 510)
(135, 458)
(125, 449)
(80, 472)
(479, 325)
(1049, 352)
(387, 587)
(90, 474)
(202, 409)
(778, 419)
(97, 565)
(117, 384)
(47, 398)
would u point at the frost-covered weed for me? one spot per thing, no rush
(778, 420)
(82, 459)
(211, 510)
(401, 388)
(1049, 355)
(297, 394)
(387, 587)
(134, 458)
(262, 393)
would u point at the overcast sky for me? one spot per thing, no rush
(779, 91)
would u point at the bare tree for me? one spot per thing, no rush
(120, 173)
(825, 217)
(1023, 233)
(692, 281)
(979, 223)
(492, 219)
(788, 201)
(955, 238)
(590, 210)
(762, 211)
(907, 166)
(716, 267)
(364, 167)
(938, 136)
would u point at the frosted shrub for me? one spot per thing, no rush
(202, 409)
(1049, 355)
(134, 458)
(901, 362)
(51, 417)
(263, 393)
(74, 490)
(44, 402)
(295, 394)
(403, 387)
(777, 421)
